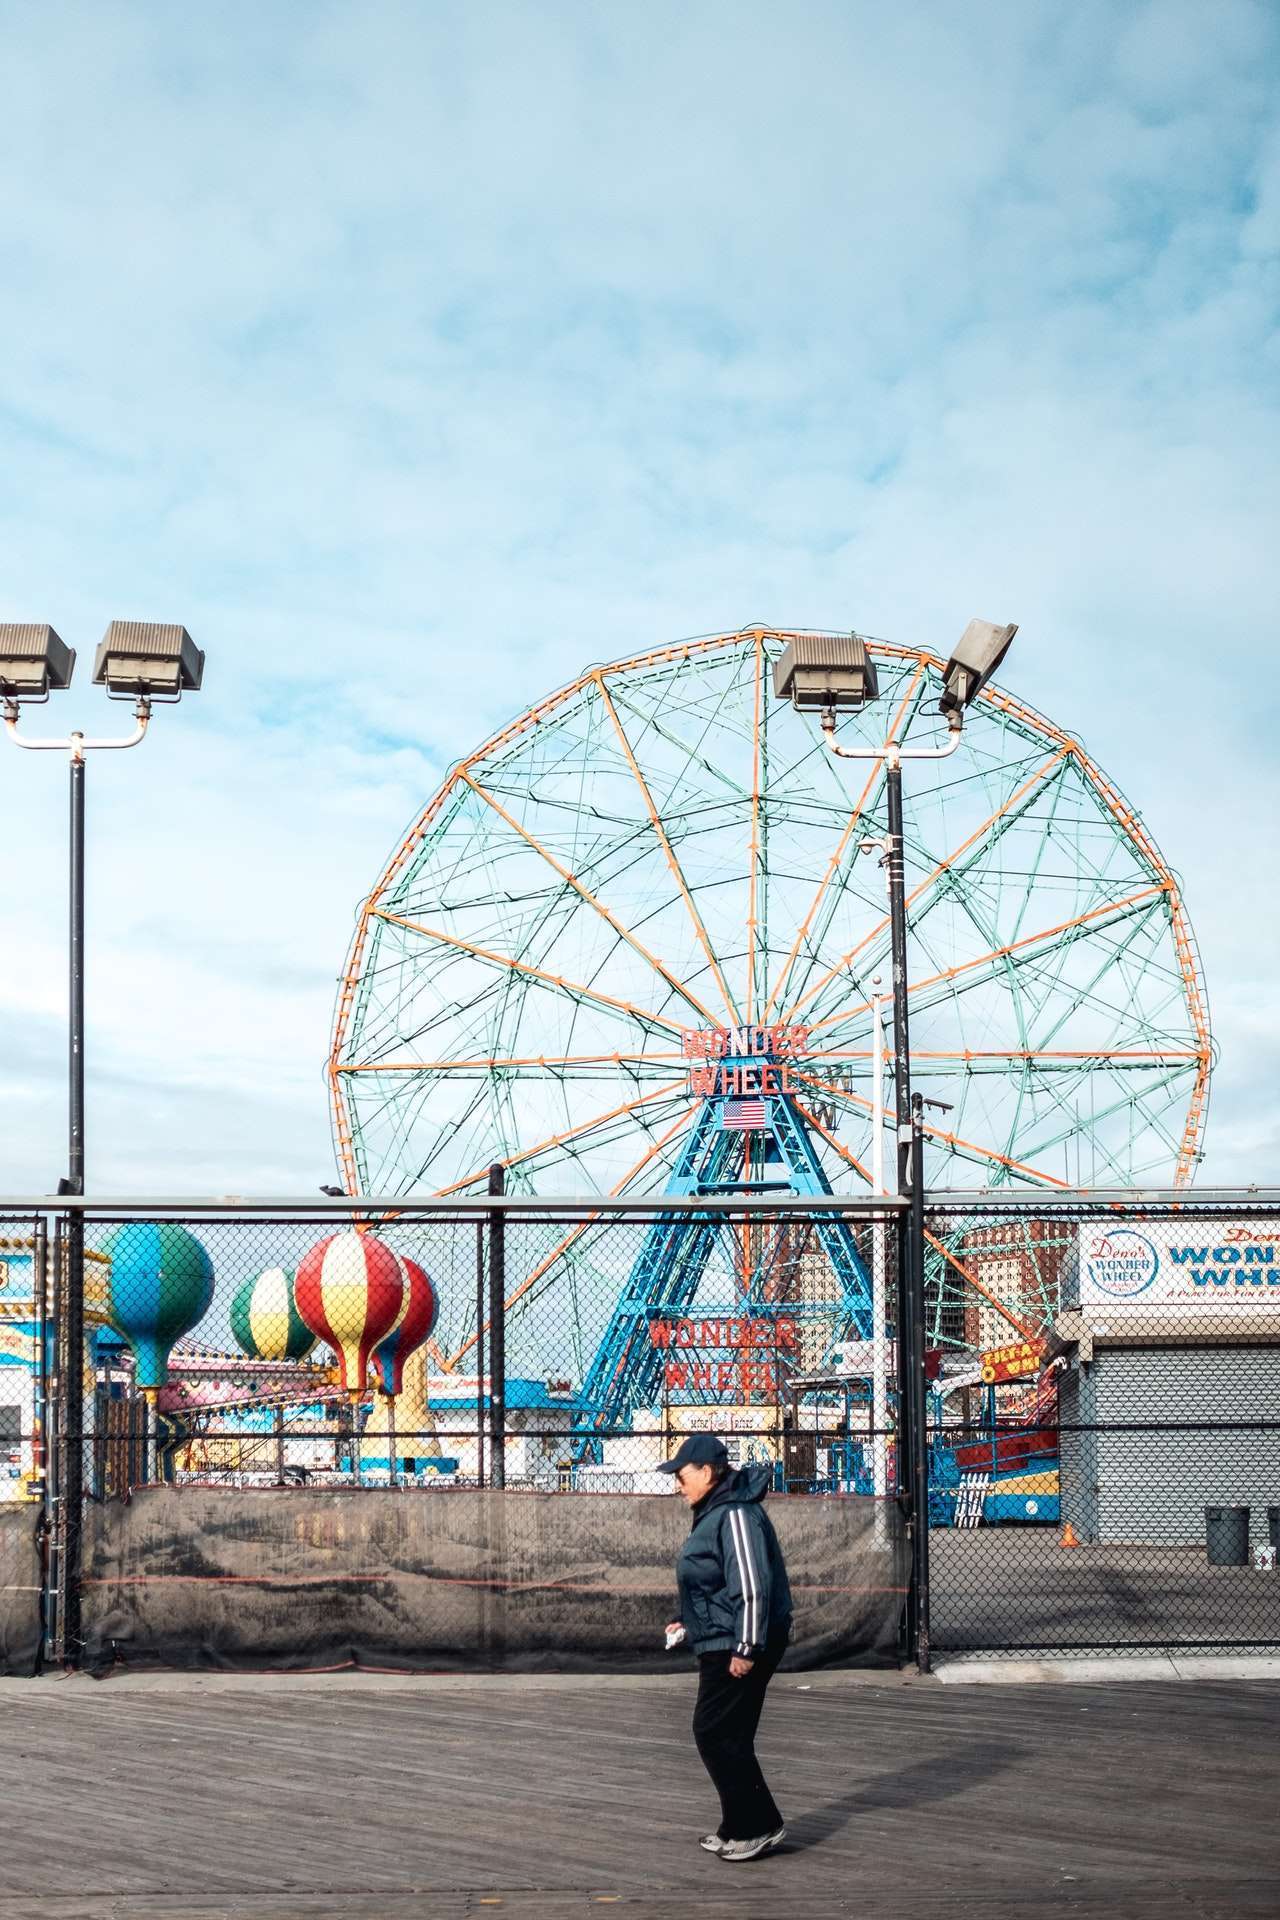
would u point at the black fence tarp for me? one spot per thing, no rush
(21, 1578)
(458, 1578)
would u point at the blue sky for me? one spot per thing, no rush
(417, 355)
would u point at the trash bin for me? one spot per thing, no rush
(1226, 1535)
(1273, 1528)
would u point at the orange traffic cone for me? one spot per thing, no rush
(1069, 1537)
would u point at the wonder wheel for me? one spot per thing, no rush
(660, 864)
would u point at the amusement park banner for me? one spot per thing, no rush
(1181, 1265)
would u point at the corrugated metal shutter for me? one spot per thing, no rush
(1152, 1484)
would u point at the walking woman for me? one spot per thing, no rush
(735, 1612)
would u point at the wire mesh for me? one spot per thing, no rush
(1105, 1429)
(23, 1404)
(325, 1405)
(1103, 1422)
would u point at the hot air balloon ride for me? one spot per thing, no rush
(349, 1290)
(265, 1319)
(400, 1400)
(413, 1326)
(160, 1286)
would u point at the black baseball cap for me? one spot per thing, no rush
(697, 1450)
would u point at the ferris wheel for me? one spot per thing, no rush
(660, 853)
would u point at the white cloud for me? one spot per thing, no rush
(417, 356)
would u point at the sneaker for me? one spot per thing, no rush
(712, 1843)
(751, 1849)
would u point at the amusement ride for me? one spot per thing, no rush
(632, 946)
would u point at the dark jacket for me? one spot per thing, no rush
(733, 1584)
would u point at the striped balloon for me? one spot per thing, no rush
(416, 1318)
(349, 1290)
(161, 1284)
(265, 1318)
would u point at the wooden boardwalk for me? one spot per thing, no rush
(175, 1796)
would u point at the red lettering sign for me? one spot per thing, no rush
(1013, 1362)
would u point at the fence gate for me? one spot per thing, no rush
(1105, 1425)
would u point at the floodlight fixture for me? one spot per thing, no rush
(976, 656)
(34, 662)
(143, 660)
(819, 672)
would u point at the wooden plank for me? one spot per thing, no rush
(207, 1802)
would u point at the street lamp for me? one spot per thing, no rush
(978, 654)
(830, 673)
(139, 660)
(827, 674)
(143, 661)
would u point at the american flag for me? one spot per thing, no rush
(745, 1116)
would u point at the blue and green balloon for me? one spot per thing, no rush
(161, 1286)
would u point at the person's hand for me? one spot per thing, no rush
(739, 1668)
(673, 1626)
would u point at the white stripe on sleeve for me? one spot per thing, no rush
(747, 1575)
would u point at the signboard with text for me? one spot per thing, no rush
(1013, 1362)
(1181, 1266)
(725, 1354)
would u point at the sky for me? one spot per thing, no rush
(416, 356)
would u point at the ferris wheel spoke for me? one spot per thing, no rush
(1125, 1102)
(1069, 1060)
(545, 1265)
(693, 755)
(819, 1126)
(552, 1062)
(585, 894)
(1005, 813)
(968, 1149)
(1084, 994)
(556, 980)
(1020, 1327)
(874, 779)
(555, 1142)
(1097, 918)
(668, 851)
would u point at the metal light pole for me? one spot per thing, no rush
(918, 1618)
(911, 1460)
(497, 1335)
(142, 661)
(879, 1370)
(822, 673)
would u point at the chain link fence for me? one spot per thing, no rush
(1104, 1429)
(24, 1398)
(307, 1435)
(297, 1431)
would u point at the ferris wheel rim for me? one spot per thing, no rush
(1027, 720)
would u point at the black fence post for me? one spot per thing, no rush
(480, 1407)
(71, 1436)
(904, 1445)
(919, 1396)
(497, 1336)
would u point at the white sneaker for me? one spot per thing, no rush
(751, 1849)
(712, 1843)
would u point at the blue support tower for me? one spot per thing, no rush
(628, 1368)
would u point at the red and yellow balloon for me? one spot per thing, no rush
(350, 1290)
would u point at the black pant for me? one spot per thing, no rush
(724, 1726)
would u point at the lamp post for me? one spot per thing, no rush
(879, 1382)
(824, 674)
(145, 662)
